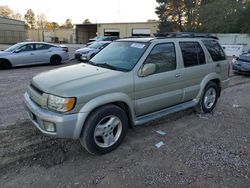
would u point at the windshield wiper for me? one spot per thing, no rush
(90, 62)
(106, 65)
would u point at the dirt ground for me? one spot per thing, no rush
(201, 150)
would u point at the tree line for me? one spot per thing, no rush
(33, 21)
(212, 16)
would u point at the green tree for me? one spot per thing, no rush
(181, 15)
(220, 16)
(243, 21)
(30, 18)
(68, 23)
(86, 21)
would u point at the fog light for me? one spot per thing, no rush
(49, 126)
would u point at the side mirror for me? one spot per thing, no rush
(17, 50)
(147, 70)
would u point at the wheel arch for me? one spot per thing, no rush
(7, 60)
(119, 99)
(55, 55)
(213, 77)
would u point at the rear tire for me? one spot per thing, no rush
(104, 130)
(209, 98)
(55, 60)
(5, 64)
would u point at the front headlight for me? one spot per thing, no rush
(61, 104)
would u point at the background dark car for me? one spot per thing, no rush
(242, 64)
(100, 38)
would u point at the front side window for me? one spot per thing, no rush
(163, 56)
(214, 50)
(122, 55)
(192, 53)
(27, 47)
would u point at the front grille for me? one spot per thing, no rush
(36, 95)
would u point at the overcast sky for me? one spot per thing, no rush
(100, 11)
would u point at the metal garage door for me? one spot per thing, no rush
(112, 32)
(141, 32)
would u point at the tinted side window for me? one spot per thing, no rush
(192, 53)
(27, 47)
(163, 56)
(42, 46)
(215, 50)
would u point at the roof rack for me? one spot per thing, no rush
(184, 35)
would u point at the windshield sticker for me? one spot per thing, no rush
(137, 45)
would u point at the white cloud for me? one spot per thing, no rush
(95, 10)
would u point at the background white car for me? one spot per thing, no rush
(30, 53)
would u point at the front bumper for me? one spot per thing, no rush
(66, 126)
(78, 56)
(84, 58)
(241, 68)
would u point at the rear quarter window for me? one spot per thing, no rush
(214, 50)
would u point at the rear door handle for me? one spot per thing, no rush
(177, 75)
(31, 54)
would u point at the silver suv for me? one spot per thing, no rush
(130, 82)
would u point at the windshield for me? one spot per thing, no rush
(13, 48)
(96, 45)
(120, 55)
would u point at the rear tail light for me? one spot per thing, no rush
(65, 49)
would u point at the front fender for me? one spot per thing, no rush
(100, 101)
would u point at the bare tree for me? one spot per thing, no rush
(41, 21)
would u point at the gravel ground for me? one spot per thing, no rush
(201, 150)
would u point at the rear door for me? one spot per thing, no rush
(43, 52)
(162, 88)
(194, 68)
(217, 59)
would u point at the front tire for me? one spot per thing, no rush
(5, 64)
(55, 60)
(104, 130)
(209, 98)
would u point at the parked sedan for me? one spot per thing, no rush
(30, 53)
(242, 64)
(86, 53)
(100, 38)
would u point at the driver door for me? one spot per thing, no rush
(24, 55)
(162, 88)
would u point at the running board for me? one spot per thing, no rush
(156, 115)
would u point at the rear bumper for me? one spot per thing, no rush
(66, 126)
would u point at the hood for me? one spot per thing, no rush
(3, 53)
(71, 80)
(84, 50)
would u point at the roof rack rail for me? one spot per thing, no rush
(184, 35)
